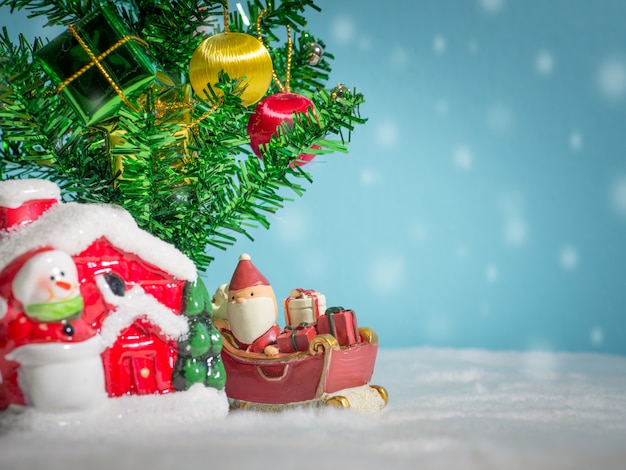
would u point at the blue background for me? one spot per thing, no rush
(484, 202)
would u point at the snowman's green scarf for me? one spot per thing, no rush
(56, 311)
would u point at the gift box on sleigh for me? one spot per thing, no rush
(97, 65)
(297, 338)
(303, 306)
(341, 324)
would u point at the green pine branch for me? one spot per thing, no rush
(57, 13)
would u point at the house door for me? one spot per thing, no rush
(141, 371)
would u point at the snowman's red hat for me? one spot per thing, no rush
(22, 201)
(247, 275)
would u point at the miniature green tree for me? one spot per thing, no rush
(199, 356)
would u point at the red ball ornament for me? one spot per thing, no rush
(270, 114)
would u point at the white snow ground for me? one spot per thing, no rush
(449, 409)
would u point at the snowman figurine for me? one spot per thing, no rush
(47, 287)
(60, 367)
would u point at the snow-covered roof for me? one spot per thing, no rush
(14, 193)
(135, 304)
(72, 227)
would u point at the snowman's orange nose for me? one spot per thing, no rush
(64, 285)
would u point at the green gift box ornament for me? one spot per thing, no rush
(98, 65)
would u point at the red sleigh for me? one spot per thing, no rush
(325, 374)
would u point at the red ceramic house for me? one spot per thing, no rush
(131, 283)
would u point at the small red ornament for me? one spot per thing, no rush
(270, 114)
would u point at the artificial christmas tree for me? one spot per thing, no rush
(105, 110)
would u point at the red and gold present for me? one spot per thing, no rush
(304, 306)
(297, 338)
(341, 324)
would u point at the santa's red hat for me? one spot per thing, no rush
(247, 275)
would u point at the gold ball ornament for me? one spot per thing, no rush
(241, 56)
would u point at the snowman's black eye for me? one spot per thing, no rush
(52, 278)
(62, 274)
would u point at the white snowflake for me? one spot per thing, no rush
(500, 117)
(575, 140)
(568, 258)
(485, 309)
(370, 177)
(439, 44)
(387, 134)
(492, 6)
(472, 46)
(515, 231)
(515, 228)
(343, 29)
(463, 158)
(491, 273)
(462, 251)
(292, 225)
(596, 336)
(387, 273)
(544, 63)
(418, 232)
(611, 78)
(618, 195)
(441, 107)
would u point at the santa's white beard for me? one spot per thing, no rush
(250, 319)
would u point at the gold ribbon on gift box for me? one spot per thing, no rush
(96, 61)
(163, 106)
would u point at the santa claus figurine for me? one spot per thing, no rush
(252, 309)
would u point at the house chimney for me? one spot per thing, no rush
(22, 201)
